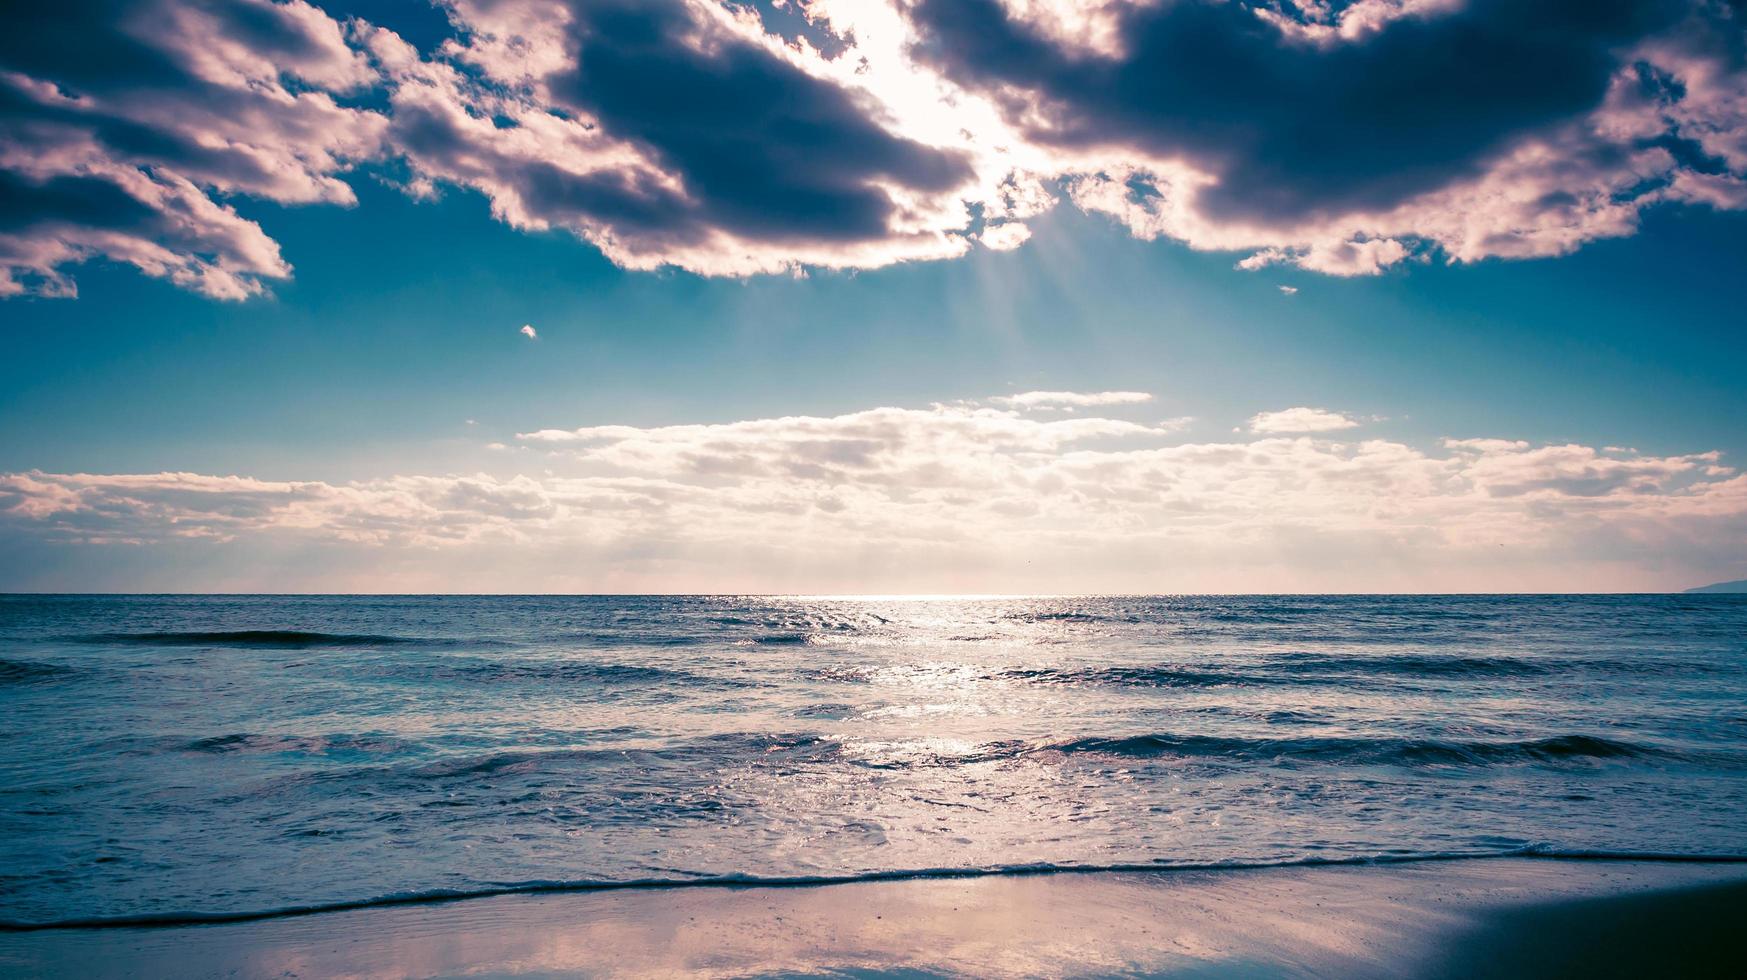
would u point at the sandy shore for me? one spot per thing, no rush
(1498, 917)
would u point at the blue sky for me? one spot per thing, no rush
(386, 342)
(389, 349)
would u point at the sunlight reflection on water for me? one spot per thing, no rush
(215, 753)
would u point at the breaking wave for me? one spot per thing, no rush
(290, 639)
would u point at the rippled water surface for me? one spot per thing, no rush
(170, 755)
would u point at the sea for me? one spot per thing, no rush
(180, 758)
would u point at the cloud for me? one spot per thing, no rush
(1005, 237)
(858, 445)
(1301, 419)
(529, 332)
(1071, 399)
(730, 139)
(1289, 290)
(951, 496)
(124, 126)
(672, 133)
(1347, 138)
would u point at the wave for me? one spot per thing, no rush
(1145, 676)
(566, 671)
(714, 747)
(1440, 665)
(249, 742)
(1316, 668)
(1415, 665)
(783, 639)
(1070, 617)
(728, 750)
(1288, 669)
(1159, 676)
(1360, 751)
(739, 880)
(288, 639)
(29, 671)
(664, 637)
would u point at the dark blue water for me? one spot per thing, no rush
(171, 755)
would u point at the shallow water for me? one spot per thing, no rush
(173, 755)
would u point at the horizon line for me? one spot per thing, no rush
(900, 596)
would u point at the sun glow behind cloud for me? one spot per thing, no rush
(955, 496)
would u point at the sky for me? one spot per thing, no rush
(873, 296)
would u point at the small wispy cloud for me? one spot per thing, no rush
(1289, 290)
(1301, 419)
(529, 332)
(1071, 399)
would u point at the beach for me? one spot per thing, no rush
(327, 786)
(1493, 917)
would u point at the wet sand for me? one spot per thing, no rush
(1494, 917)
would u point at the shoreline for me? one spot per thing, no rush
(1522, 915)
(172, 920)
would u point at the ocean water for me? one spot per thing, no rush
(169, 757)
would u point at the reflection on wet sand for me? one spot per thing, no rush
(1498, 917)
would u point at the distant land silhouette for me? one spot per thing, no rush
(1740, 585)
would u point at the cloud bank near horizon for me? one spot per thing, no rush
(735, 139)
(953, 497)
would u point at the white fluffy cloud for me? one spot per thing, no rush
(1301, 419)
(953, 496)
(1071, 399)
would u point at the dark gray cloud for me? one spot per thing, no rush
(1347, 137)
(764, 148)
(1292, 127)
(124, 124)
(689, 140)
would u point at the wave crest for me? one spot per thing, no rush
(1362, 751)
(288, 639)
(28, 671)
